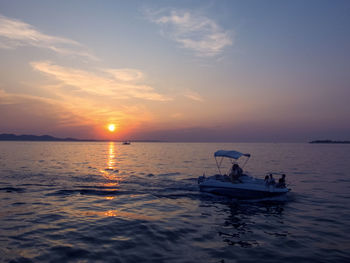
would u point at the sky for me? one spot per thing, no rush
(236, 71)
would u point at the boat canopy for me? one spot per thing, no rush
(230, 154)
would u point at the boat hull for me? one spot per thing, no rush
(249, 188)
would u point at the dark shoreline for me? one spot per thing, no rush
(49, 138)
(330, 142)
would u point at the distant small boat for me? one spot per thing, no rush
(244, 186)
(126, 142)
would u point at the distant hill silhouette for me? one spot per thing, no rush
(13, 137)
(330, 141)
(49, 138)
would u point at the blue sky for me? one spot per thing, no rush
(176, 70)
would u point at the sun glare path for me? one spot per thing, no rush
(111, 127)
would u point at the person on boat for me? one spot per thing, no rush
(282, 181)
(236, 172)
(238, 169)
(266, 179)
(271, 180)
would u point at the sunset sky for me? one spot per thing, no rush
(245, 71)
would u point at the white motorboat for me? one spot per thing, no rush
(244, 186)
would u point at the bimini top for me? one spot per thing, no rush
(230, 154)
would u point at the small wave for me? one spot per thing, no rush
(242, 243)
(276, 234)
(274, 199)
(178, 196)
(12, 189)
(18, 203)
(180, 188)
(45, 185)
(341, 181)
(169, 174)
(193, 179)
(65, 192)
(95, 187)
(112, 170)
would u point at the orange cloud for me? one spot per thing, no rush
(102, 84)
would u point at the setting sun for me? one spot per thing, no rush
(111, 127)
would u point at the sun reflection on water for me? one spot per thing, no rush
(121, 214)
(111, 156)
(111, 172)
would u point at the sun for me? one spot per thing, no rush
(111, 127)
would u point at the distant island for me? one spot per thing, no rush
(330, 141)
(48, 138)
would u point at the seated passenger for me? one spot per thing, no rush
(266, 179)
(236, 172)
(282, 181)
(271, 180)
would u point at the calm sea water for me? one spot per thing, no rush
(107, 202)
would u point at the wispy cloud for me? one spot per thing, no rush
(15, 33)
(125, 74)
(115, 83)
(192, 31)
(193, 96)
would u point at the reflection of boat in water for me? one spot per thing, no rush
(241, 225)
(240, 186)
(126, 143)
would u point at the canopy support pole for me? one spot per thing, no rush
(218, 165)
(246, 160)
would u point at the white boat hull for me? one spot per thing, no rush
(248, 188)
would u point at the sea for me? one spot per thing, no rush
(108, 202)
